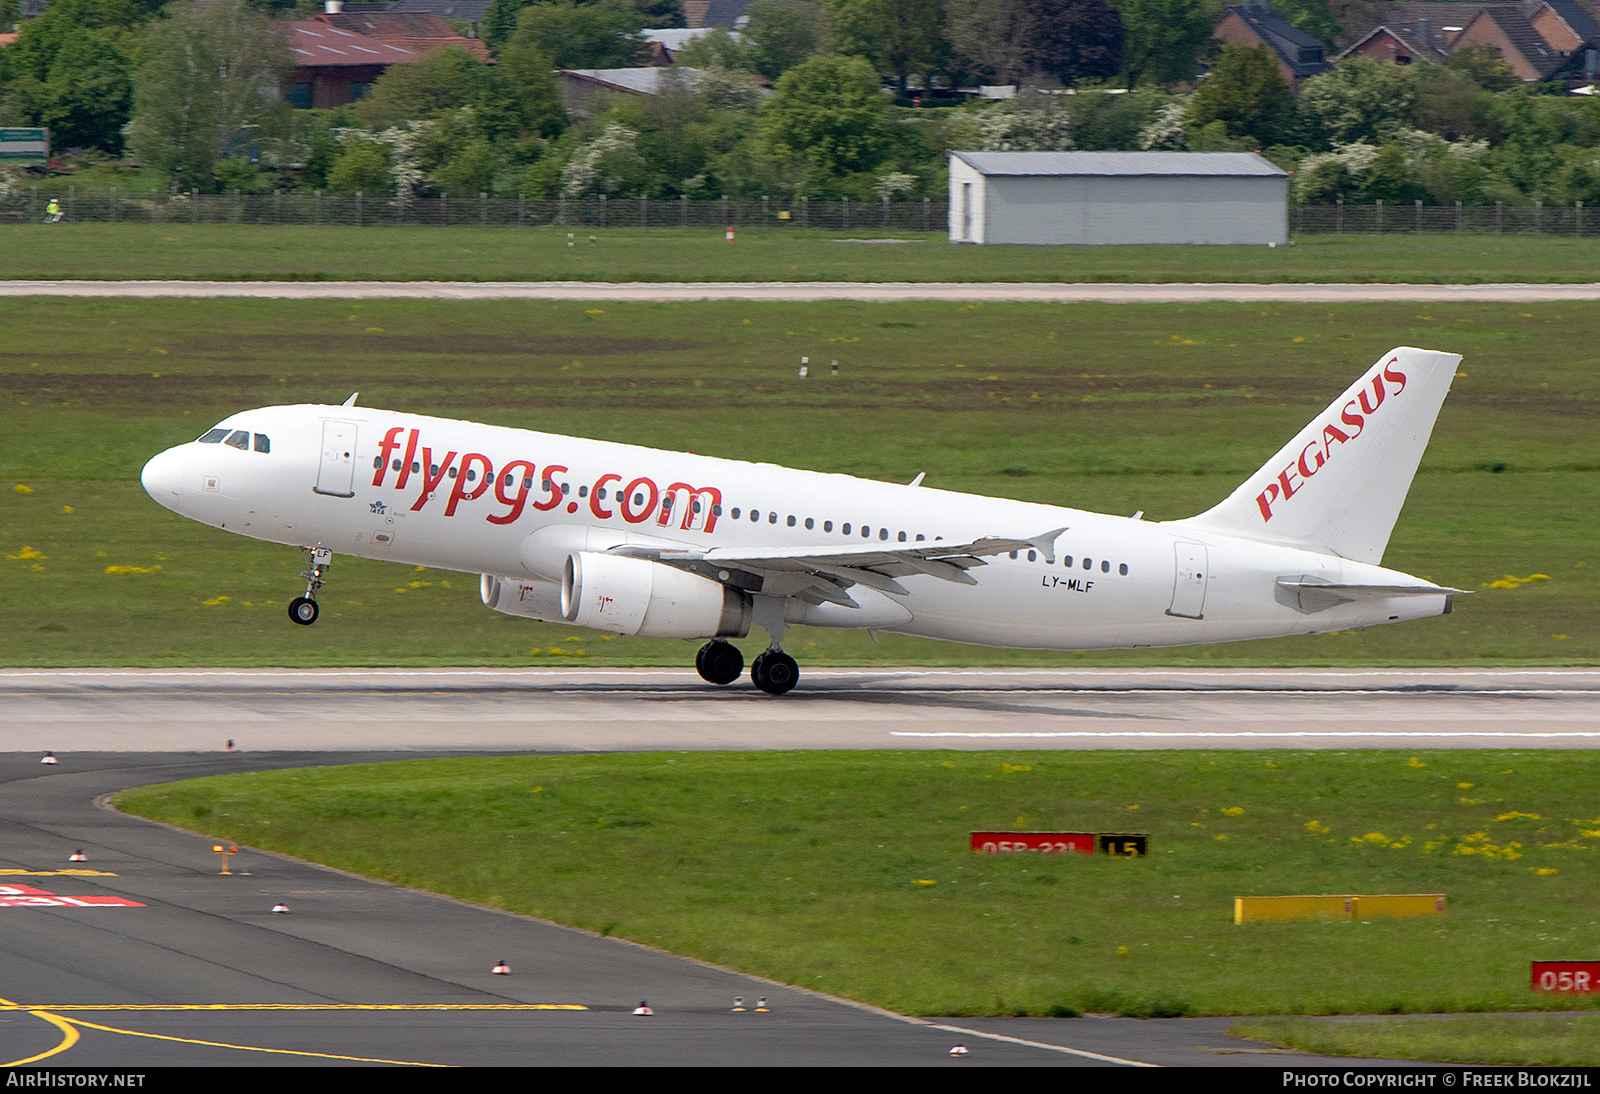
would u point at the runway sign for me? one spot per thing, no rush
(1384, 906)
(1126, 845)
(25, 896)
(991, 843)
(1576, 977)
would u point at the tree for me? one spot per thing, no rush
(1165, 39)
(1362, 99)
(363, 168)
(527, 69)
(830, 117)
(782, 33)
(1313, 17)
(901, 37)
(1246, 93)
(72, 70)
(1007, 41)
(210, 72)
(573, 35)
(1483, 65)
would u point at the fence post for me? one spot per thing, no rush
(1419, 214)
(194, 206)
(1338, 215)
(522, 210)
(763, 212)
(238, 206)
(277, 207)
(644, 211)
(358, 208)
(444, 210)
(114, 205)
(886, 210)
(483, 209)
(1380, 216)
(316, 206)
(925, 211)
(1538, 207)
(683, 210)
(561, 210)
(1578, 225)
(602, 210)
(33, 202)
(155, 205)
(72, 197)
(1458, 218)
(1499, 216)
(805, 212)
(724, 210)
(844, 213)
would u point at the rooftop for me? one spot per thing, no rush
(1236, 164)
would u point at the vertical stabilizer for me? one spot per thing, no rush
(1338, 486)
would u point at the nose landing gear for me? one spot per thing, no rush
(303, 609)
(719, 662)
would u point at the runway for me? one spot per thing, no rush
(389, 710)
(809, 291)
(194, 968)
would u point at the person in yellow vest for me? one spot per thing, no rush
(52, 212)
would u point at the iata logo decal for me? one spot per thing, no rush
(1315, 456)
(517, 483)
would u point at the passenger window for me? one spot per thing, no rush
(472, 474)
(902, 537)
(696, 505)
(716, 511)
(1105, 566)
(1013, 554)
(638, 499)
(827, 526)
(377, 461)
(583, 491)
(1088, 564)
(772, 518)
(844, 529)
(810, 524)
(1067, 561)
(416, 466)
(212, 436)
(921, 537)
(1033, 556)
(865, 532)
(240, 439)
(527, 482)
(755, 515)
(1123, 569)
(883, 533)
(396, 466)
(791, 520)
(602, 493)
(451, 471)
(735, 512)
(566, 488)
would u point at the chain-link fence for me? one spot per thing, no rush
(1535, 219)
(158, 207)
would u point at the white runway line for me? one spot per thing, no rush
(810, 291)
(1254, 735)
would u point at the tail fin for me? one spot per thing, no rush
(1338, 486)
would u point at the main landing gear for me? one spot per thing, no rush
(773, 671)
(303, 609)
(719, 662)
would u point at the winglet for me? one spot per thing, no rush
(352, 400)
(1046, 544)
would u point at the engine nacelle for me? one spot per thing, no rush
(637, 596)
(521, 596)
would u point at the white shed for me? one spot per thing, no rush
(1117, 197)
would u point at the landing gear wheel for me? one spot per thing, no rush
(303, 610)
(774, 672)
(719, 662)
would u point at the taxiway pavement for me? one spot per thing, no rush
(809, 291)
(638, 709)
(203, 972)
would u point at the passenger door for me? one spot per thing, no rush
(1189, 581)
(337, 470)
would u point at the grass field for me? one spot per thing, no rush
(250, 253)
(850, 873)
(1105, 407)
(1552, 1040)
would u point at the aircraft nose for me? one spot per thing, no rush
(162, 477)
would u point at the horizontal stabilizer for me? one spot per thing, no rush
(1310, 595)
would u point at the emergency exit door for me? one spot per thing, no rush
(1189, 581)
(336, 472)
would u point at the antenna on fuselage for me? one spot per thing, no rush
(352, 400)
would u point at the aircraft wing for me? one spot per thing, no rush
(823, 573)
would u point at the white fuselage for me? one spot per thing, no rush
(464, 496)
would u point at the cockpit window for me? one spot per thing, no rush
(212, 436)
(262, 444)
(240, 439)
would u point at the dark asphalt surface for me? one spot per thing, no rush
(350, 945)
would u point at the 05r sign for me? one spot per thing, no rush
(1575, 977)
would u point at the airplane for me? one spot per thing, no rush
(638, 541)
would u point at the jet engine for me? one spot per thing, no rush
(637, 596)
(522, 596)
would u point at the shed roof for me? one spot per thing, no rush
(313, 43)
(640, 81)
(1237, 164)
